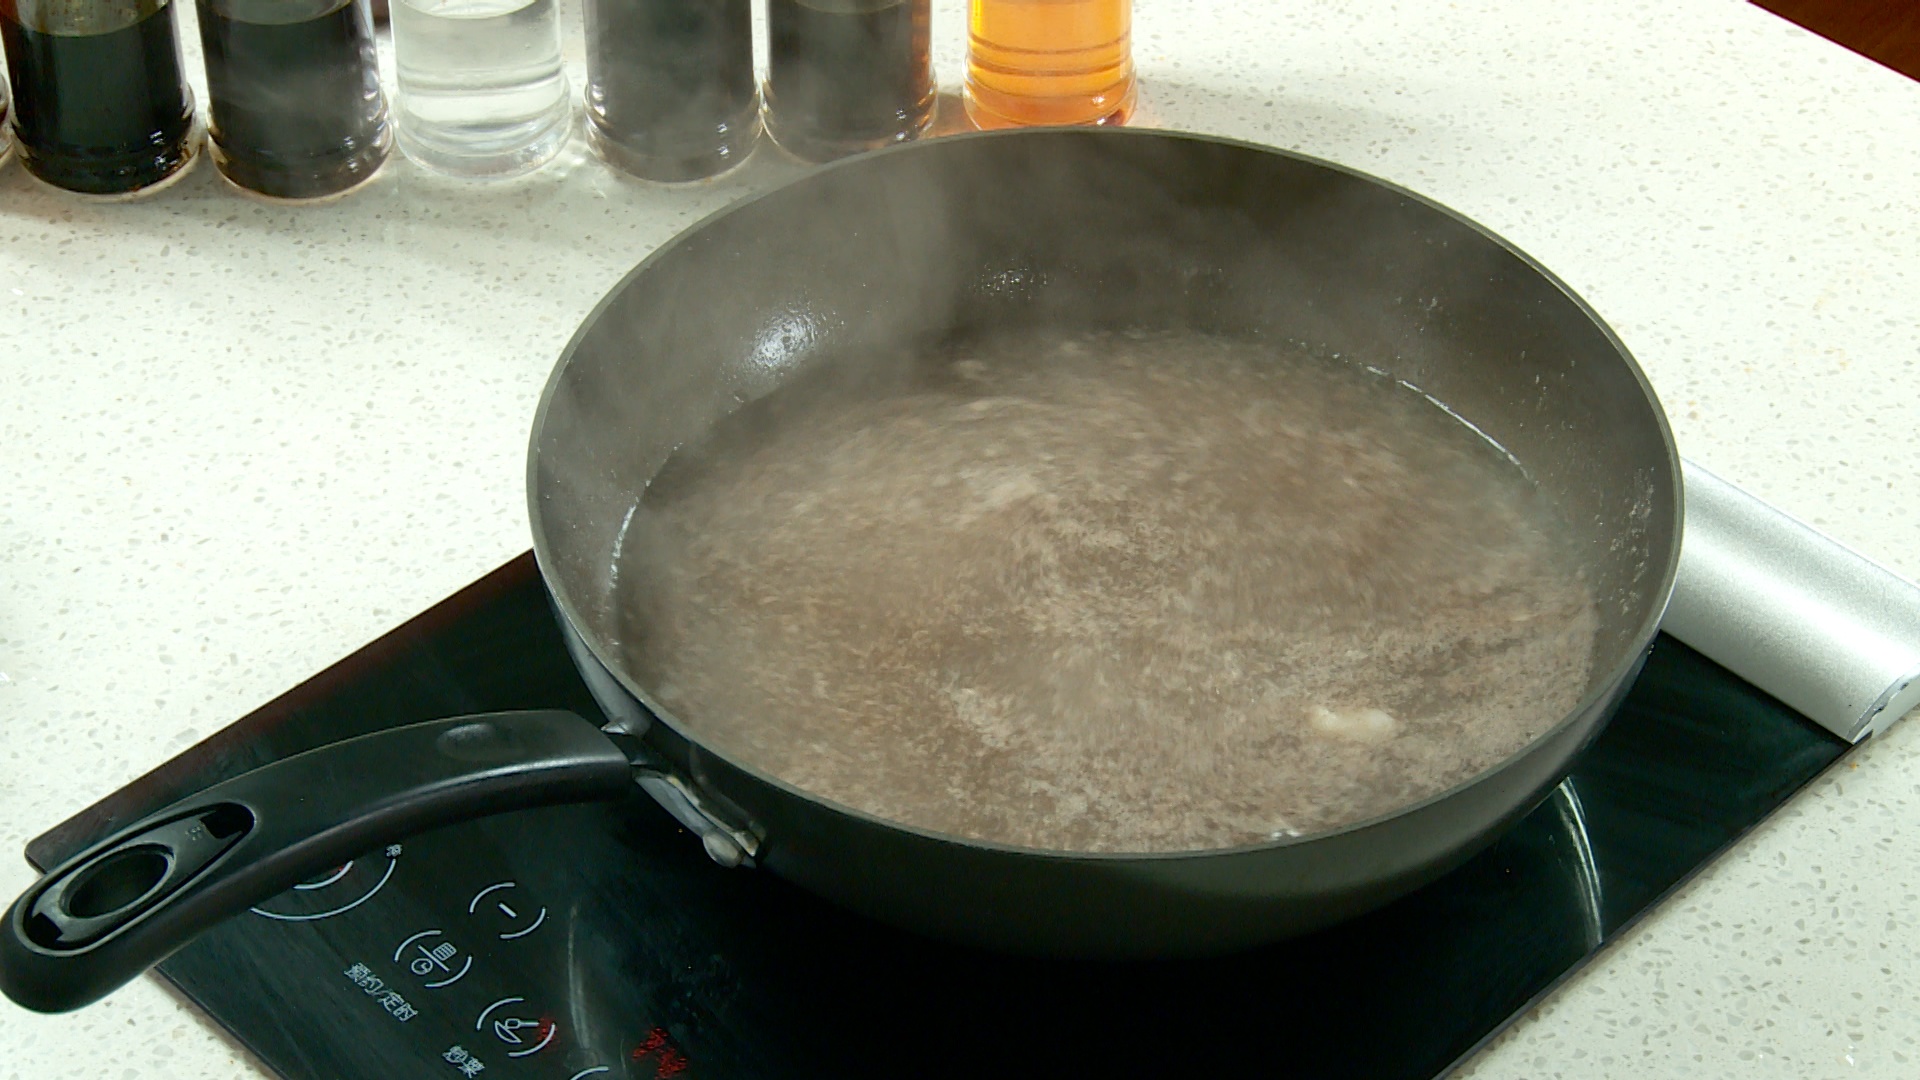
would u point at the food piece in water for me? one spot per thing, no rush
(1147, 592)
(1358, 725)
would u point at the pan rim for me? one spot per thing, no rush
(1616, 677)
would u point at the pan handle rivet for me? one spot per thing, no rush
(722, 849)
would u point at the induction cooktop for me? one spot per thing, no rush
(600, 941)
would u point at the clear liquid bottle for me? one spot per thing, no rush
(670, 89)
(293, 90)
(482, 93)
(1049, 62)
(100, 103)
(847, 75)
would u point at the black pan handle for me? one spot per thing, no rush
(110, 912)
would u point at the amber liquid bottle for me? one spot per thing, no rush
(1049, 62)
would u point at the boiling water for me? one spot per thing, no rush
(481, 87)
(1110, 593)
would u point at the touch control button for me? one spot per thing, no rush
(499, 904)
(509, 1023)
(440, 961)
(335, 891)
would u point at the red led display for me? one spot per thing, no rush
(667, 1059)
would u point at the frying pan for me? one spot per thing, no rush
(1085, 230)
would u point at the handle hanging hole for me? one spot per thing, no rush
(117, 881)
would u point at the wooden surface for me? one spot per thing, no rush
(1886, 30)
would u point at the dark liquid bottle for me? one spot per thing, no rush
(294, 89)
(847, 75)
(670, 91)
(99, 102)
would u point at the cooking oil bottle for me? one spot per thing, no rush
(1049, 62)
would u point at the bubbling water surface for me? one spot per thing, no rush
(1106, 593)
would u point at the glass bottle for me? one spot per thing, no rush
(847, 75)
(670, 90)
(100, 104)
(1049, 62)
(482, 92)
(294, 93)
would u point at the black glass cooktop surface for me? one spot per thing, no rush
(599, 941)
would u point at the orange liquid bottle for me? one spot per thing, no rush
(1049, 62)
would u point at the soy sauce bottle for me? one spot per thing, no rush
(100, 104)
(847, 75)
(670, 90)
(296, 106)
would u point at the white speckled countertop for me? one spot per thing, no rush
(238, 440)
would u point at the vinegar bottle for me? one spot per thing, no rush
(845, 76)
(1049, 62)
(670, 90)
(293, 95)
